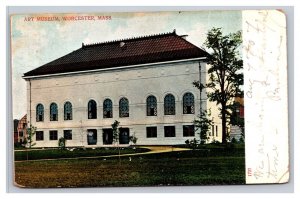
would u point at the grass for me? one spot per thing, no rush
(197, 167)
(79, 152)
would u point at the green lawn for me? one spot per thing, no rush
(199, 167)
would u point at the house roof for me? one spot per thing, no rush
(125, 52)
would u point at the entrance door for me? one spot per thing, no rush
(107, 136)
(92, 136)
(124, 136)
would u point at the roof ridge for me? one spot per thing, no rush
(129, 39)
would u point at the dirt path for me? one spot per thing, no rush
(153, 150)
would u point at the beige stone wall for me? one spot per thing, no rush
(136, 84)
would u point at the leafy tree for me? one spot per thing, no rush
(28, 140)
(116, 135)
(225, 72)
(203, 123)
(30, 132)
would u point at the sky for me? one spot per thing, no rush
(35, 43)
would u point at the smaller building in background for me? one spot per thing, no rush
(16, 122)
(22, 129)
(237, 119)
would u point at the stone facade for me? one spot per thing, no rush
(133, 83)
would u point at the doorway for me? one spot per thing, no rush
(107, 136)
(124, 136)
(92, 136)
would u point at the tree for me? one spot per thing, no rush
(225, 72)
(62, 143)
(116, 134)
(30, 132)
(203, 123)
(28, 141)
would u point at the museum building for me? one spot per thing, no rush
(145, 83)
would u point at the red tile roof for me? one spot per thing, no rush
(141, 50)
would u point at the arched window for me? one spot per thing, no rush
(188, 103)
(53, 112)
(169, 104)
(123, 107)
(151, 106)
(68, 111)
(92, 109)
(39, 113)
(107, 109)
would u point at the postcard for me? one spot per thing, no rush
(127, 99)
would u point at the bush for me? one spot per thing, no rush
(62, 143)
(241, 140)
(193, 144)
(216, 142)
(233, 140)
(18, 145)
(133, 139)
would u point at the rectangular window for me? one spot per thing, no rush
(52, 135)
(68, 134)
(216, 131)
(151, 131)
(169, 131)
(39, 135)
(212, 130)
(188, 130)
(21, 134)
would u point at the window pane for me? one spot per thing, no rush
(39, 113)
(188, 104)
(107, 109)
(68, 111)
(68, 134)
(151, 132)
(53, 112)
(39, 135)
(92, 109)
(169, 131)
(124, 107)
(151, 106)
(188, 130)
(53, 135)
(169, 105)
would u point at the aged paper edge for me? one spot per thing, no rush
(265, 87)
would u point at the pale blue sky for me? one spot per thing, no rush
(36, 43)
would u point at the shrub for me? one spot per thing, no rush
(133, 139)
(233, 140)
(62, 143)
(193, 144)
(241, 140)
